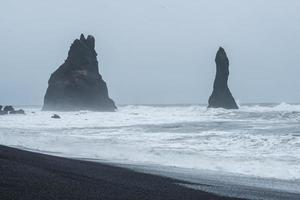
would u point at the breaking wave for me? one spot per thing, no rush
(256, 140)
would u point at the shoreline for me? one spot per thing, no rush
(31, 175)
(27, 175)
(224, 184)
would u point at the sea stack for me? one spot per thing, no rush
(221, 96)
(77, 84)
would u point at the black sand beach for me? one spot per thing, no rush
(26, 175)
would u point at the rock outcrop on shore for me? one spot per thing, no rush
(77, 84)
(221, 96)
(10, 110)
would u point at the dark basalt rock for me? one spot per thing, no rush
(8, 109)
(2, 112)
(55, 116)
(77, 84)
(18, 112)
(221, 96)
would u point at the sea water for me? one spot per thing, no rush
(254, 141)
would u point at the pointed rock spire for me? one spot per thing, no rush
(90, 41)
(221, 96)
(82, 38)
(77, 84)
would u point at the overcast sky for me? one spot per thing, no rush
(155, 51)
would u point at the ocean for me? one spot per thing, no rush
(256, 141)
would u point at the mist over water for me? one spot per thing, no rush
(257, 140)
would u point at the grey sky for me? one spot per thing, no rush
(158, 51)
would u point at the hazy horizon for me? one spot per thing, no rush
(155, 52)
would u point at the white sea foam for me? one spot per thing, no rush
(257, 140)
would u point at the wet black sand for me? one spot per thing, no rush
(30, 176)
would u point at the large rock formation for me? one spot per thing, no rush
(77, 84)
(221, 96)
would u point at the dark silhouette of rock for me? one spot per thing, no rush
(221, 96)
(2, 112)
(20, 112)
(55, 116)
(77, 84)
(8, 109)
